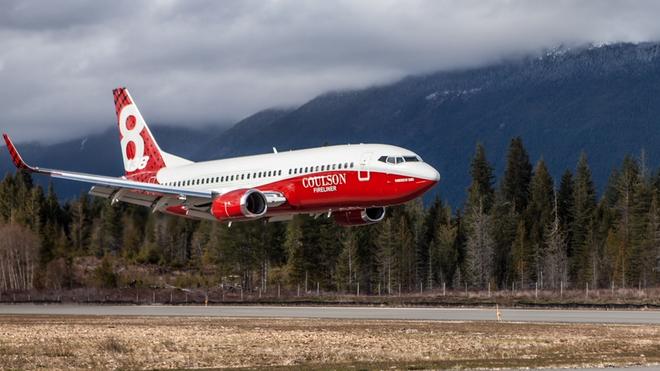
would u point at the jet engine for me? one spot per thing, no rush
(239, 204)
(360, 217)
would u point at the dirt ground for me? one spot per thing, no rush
(30, 342)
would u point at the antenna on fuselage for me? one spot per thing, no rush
(274, 150)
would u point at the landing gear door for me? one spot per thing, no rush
(363, 170)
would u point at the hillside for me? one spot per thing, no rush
(603, 100)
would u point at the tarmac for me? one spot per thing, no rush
(339, 312)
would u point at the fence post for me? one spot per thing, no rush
(561, 289)
(241, 293)
(278, 289)
(489, 289)
(399, 289)
(358, 288)
(298, 289)
(443, 289)
(153, 297)
(318, 291)
(171, 294)
(421, 287)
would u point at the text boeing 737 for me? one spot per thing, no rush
(353, 183)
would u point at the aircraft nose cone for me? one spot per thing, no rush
(429, 173)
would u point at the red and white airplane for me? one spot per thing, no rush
(353, 183)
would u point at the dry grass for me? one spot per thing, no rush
(29, 342)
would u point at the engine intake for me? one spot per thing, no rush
(360, 217)
(239, 204)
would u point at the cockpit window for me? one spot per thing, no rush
(399, 159)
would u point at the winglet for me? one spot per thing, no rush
(15, 156)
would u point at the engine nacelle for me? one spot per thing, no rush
(239, 204)
(360, 217)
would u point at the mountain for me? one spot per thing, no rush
(602, 100)
(100, 154)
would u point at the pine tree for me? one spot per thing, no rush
(294, 247)
(480, 247)
(517, 175)
(447, 247)
(565, 208)
(504, 222)
(583, 223)
(481, 188)
(81, 223)
(520, 255)
(426, 240)
(386, 256)
(539, 216)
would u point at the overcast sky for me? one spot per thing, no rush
(211, 62)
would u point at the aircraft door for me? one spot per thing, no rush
(363, 171)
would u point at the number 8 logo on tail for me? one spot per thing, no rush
(131, 125)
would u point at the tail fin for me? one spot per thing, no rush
(142, 155)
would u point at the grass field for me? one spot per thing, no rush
(30, 342)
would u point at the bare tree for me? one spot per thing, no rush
(554, 259)
(480, 246)
(18, 256)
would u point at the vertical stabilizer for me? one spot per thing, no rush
(142, 155)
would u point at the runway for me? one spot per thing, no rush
(375, 313)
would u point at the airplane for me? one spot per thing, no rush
(351, 183)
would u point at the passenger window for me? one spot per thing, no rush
(334, 166)
(242, 176)
(295, 171)
(339, 166)
(232, 178)
(351, 165)
(317, 167)
(248, 175)
(345, 165)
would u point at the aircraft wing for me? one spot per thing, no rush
(106, 181)
(152, 195)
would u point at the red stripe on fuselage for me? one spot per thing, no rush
(344, 190)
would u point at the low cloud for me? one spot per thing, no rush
(214, 62)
